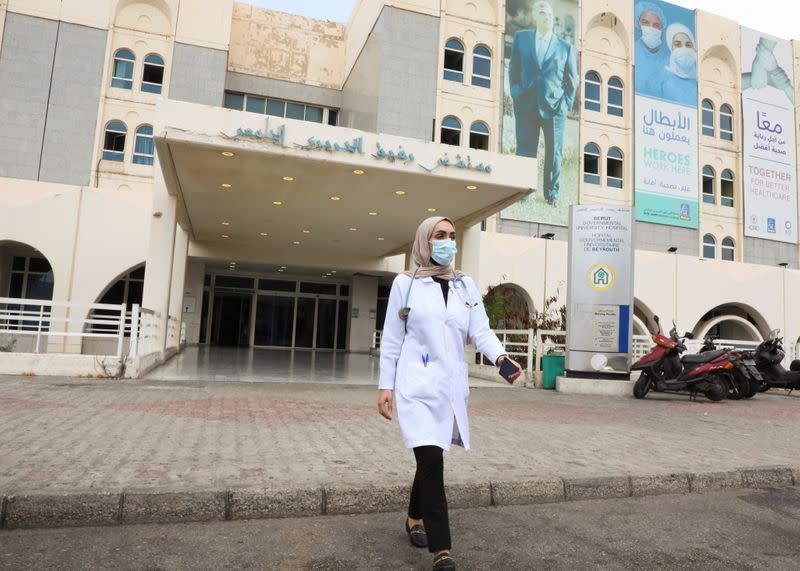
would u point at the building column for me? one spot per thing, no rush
(193, 294)
(179, 256)
(160, 254)
(363, 313)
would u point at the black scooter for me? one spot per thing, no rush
(769, 357)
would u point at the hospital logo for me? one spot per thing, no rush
(600, 277)
(685, 212)
(771, 226)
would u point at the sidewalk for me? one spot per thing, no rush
(78, 451)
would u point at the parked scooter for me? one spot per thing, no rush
(769, 356)
(663, 369)
(745, 377)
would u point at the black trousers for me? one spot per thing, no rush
(428, 501)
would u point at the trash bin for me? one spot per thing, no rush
(552, 367)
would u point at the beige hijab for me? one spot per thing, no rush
(421, 251)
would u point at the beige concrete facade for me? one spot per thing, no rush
(131, 213)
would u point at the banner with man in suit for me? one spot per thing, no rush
(539, 115)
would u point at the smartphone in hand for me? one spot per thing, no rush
(508, 369)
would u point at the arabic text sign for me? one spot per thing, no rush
(665, 124)
(769, 181)
(666, 163)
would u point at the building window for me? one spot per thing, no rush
(726, 122)
(615, 94)
(122, 75)
(708, 118)
(614, 168)
(591, 91)
(709, 247)
(726, 188)
(708, 185)
(479, 136)
(114, 141)
(278, 108)
(153, 74)
(451, 131)
(143, 149)
(30, 278)
(481, 66)
(728, 249)
(127, 290)
(591, 164)
(454, 60)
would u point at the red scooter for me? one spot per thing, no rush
(663, 369)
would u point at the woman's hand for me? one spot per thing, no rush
(516, 375)
(385, 397)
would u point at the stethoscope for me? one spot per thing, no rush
(468, 302)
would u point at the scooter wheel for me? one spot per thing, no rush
(642, 386)
(718, 391)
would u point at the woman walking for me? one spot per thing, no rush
(431, 312)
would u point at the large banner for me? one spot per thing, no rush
(666, 134)
(600, 289)
(769, 185)
(540, 93)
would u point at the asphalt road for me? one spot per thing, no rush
(730, 531)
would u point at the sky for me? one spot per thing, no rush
(777, 17)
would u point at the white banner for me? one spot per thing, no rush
(768, 141)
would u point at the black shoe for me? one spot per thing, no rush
(444, 561)
(417, 535)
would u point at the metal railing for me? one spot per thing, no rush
(376, 339)
(45, 319)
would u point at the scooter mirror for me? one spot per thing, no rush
(688, 335)
(655, 318)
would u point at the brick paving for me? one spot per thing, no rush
(73, 435)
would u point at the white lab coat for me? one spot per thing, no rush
(425, 366)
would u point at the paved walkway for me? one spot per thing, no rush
(90, 435)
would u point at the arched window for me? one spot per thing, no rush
(614, 168)
(591, 91)
(709, 247)
(726, 187)
(153, 74)
(451, 131)
(615, 93)
(728, 249)
(143, 149)
(726, 122)
(122, 75)
(454, 60)
(708, 185)
(591, 164)
(479, 136)
(708, 118)
(481, 66)
(114, 141)
(128, 290)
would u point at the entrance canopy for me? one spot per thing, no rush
(282, 187)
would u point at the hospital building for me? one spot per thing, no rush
(219, 175)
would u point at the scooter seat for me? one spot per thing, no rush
(703, 357)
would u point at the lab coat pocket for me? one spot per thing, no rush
(421, 380)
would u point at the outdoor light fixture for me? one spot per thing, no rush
(783, 264)
(373, 213)
(353, 228)
(548, 236)
(225, 185)
(224, 236)
(288, 178)
(431, 210)
(296, 242)
(306, 231)
(358, 171)
(381, 238)
(672, 249)
(226, 154)
(472, 187)
(335, 198)
(277, 202)
(263, 233)
(399, 192)
(226, 223)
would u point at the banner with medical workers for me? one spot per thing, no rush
(666, 133)
(768, 140)
(540, 104)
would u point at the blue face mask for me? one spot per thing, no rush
(443, 251)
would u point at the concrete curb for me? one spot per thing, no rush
(131, 507)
